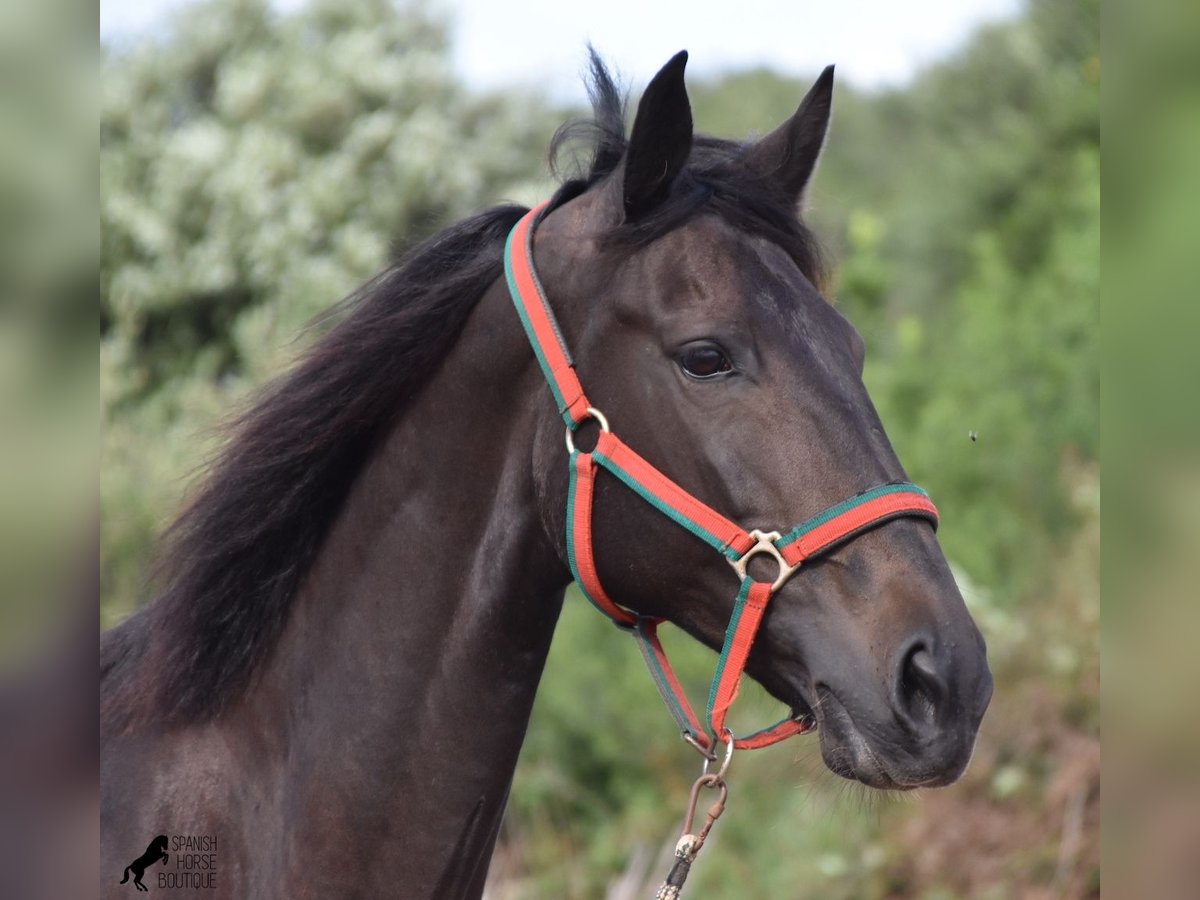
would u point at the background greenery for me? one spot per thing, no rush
(256, 166)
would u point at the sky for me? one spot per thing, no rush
(540, 43)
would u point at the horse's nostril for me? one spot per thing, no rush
(920, 686)
(920, 664)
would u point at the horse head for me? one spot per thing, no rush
(689, 293)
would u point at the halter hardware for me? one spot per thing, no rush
(592, 413)
(765, 543)
(709, 759)
(813, 537)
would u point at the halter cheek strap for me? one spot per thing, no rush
(818, 535)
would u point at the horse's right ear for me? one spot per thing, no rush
(788, 155)
(661, 139)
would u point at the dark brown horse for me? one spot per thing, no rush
(336, 678)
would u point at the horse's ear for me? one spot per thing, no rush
(661, 139)
(788, 155)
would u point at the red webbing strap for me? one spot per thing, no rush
(539, 322)
(580, 494)
(669, 688)
(780, 731)
(846, 520)
(748, 611)
(670, 499)
(580, 499)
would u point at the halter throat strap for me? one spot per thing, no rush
(791, 549)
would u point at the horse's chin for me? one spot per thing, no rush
(849, 754)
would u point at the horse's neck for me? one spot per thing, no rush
(401, 690)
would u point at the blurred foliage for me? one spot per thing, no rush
(963, 215)
(1152, 450)
(254, 166)
(48, 257)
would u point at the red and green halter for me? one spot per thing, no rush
(807, 540)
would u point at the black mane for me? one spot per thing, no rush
(234, 558)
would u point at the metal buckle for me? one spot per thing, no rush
(765, 544)
(593, 413)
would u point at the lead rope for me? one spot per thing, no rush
(690, 842)
(689, 845)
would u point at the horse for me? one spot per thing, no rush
(336, 676)
(155, 853)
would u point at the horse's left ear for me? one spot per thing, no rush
(788, 155)
(660, 141)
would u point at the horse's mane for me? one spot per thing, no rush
(232, 562)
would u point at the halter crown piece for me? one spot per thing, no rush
(790, 549)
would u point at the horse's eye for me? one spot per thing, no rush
(705, 361)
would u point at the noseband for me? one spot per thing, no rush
(809, 539)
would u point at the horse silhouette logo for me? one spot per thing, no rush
(156, 852)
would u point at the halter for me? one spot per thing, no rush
(809, 539)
